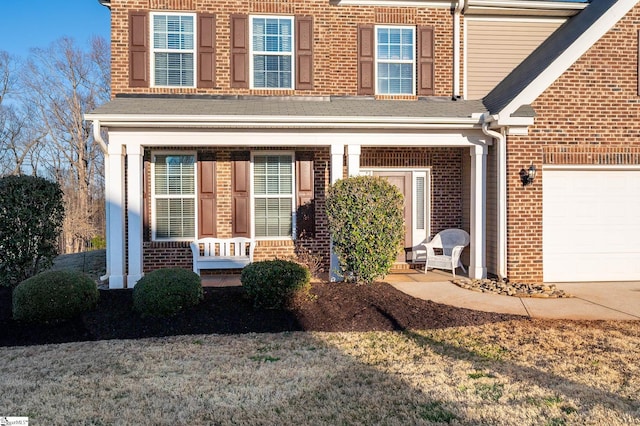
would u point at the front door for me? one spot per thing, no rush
(404, 182)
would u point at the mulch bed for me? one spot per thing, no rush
(227, 310)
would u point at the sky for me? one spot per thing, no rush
(26, 24)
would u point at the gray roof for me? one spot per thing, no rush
(544, 55)
(294, 107)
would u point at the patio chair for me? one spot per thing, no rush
(443, 250)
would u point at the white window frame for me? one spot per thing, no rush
(396, 61)
(253, 53)
(153, 50)
(292, 196)
(154, 197)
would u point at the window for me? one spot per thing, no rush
(273, 192)
(272, 52)
(395, 60)
(174, 196)
(173, 49)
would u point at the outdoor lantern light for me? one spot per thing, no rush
(527, 176)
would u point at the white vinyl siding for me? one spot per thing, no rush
(174, 197)
(272, 52)
(173, 50)
(395, 60)
(273, 192)
(494, 47)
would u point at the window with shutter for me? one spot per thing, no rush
(272, 49)
(273, 195)
(173, 191)
(173, 50)
(395, 60)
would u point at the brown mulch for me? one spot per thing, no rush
(227, 310)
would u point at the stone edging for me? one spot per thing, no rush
(506, 288)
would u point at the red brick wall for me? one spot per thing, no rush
(590, 115)
(445, 165)
(334, 48)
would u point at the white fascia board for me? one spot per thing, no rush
(230, 121)
(528, 4)
(569, 56)
(159, 138)
(442, 4)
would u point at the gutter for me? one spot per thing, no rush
(458, 11)
(97, 136)
(500, 137)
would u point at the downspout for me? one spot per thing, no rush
(97, 136)
(458, 10)
(502, 193)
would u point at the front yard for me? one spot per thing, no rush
(518, 372)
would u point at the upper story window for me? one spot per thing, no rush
(174, 196)
(173, 49)
(395, 60)
(272, 52)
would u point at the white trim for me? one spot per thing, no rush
(292, 54)
(573, 52)
(161, 139)
(442, 4)
(518, 19)
(594, 167)
(378, 61)
(152, 49)
(253, 196)
(194, 154)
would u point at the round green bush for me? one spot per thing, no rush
(166, 291)
(272, 283)
(54, 295)
(366, 222)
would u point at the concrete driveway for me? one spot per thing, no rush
(591, 301)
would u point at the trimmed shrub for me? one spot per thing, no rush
(272, 283)
(54, 295)
(165, 292)
(31, 215)
(366, 222)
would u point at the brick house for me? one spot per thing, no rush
(232, 118)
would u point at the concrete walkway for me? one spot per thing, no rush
(592, 301)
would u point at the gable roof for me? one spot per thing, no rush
(555, 55)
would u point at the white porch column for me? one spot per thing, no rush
(478, 266)
(135, 155)
(337, 165)
(353, 160)
(114, 195)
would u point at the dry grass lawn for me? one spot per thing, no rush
(514, 373)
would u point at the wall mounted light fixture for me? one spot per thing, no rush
(527, 176)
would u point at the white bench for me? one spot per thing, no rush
(222, 253)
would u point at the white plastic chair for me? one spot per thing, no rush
(451, 243)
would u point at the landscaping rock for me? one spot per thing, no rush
(515, 289)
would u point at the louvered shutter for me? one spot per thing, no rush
(206, 195)
(366, 63)
(426, 61)
(240, 192)
(206, 50)
(138, 50)
(239, 51)
(304, 52)
(305, 199)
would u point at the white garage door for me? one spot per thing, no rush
(591, 225)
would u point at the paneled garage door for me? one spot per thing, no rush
(591, 224)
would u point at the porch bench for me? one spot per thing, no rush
(222, 253)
